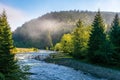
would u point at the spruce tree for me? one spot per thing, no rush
(115, 38)
(80, 40)
(97, 39)
(8, 66)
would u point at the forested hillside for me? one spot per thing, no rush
(47, 30)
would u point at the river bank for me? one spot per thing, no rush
(96, 71)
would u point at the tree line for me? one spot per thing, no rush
(93, 42)
(37, 32)
(9, 69)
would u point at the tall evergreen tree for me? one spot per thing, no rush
(80, 40)
(8, 66)
(97, 39)
(115, 37)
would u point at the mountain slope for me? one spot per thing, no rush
(47, 30)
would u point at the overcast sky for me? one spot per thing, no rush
(20, 11)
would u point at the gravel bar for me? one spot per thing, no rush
(97, 71)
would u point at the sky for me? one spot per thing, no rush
(21, 11)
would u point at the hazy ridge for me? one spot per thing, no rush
(49, 28)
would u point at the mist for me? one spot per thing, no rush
(37, 28)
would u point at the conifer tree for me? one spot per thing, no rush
(8, 66)
(97, 39)
(80, 40)
(115, 38)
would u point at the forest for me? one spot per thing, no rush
(93, 43)
(47, 30)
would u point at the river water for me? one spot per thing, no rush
(48, 71)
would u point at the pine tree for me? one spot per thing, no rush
(80, 40)
(97, 39)
(115, 38)
(8, 66)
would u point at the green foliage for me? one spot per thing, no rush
(97, 43)
(66, 44)
(35, 49)
(80, 39)
(47, 48)
(104, 53)
(58, 47)
(115, 38)
(93, 43)
(8, 66)
(2, 77)
(115, 31)
(76, 42)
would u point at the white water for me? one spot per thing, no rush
(48, 71)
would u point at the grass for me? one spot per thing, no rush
(23, 50)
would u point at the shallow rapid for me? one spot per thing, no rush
(47, 71)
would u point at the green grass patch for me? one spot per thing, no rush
(23, 50)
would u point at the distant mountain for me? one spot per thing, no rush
(48, 29)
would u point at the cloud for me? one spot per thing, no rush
(108, 5)
(15, 16)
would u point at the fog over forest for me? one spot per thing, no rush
(36, 32)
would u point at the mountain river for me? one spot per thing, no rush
(47, 71)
